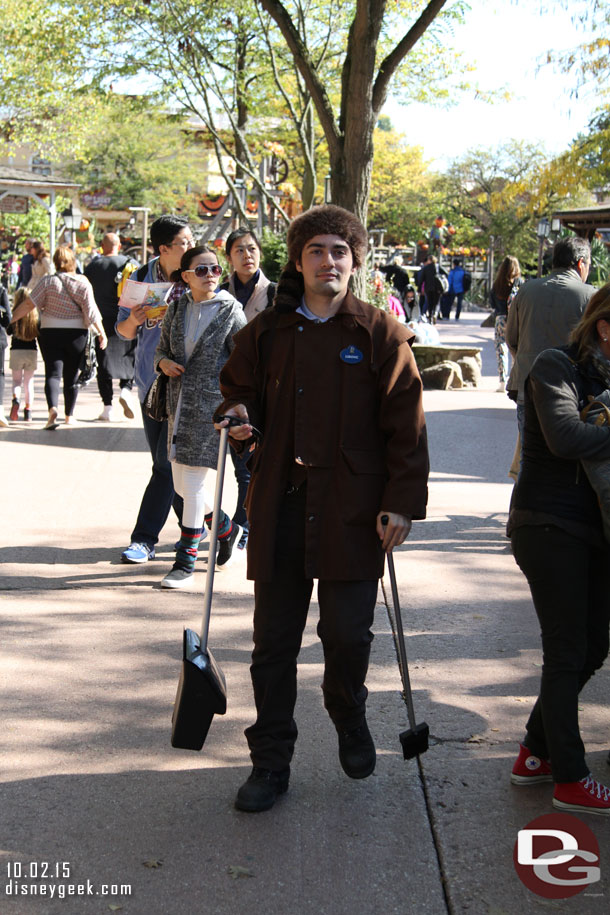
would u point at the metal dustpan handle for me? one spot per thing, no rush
(209, 582)
(400, 638)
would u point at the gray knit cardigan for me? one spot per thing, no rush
(196, 438)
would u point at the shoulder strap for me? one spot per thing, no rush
(65, 288)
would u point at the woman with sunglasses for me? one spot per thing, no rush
(196, 340)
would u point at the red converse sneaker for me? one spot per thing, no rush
(530, 769)
(587, 795)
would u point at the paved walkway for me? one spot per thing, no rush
(89, 658)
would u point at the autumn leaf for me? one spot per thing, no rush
(235, 871)
(153, 862)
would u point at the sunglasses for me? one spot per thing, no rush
(202, 270)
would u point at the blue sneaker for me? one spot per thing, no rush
(138, 552)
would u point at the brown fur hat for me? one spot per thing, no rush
(328, 220)
(320, 220)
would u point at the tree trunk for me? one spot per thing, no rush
(308, 185)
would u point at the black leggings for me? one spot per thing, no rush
(570, 585)
(62, 351)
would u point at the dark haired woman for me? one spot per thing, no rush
(557, 537)
(249, 285)
(505, 287)
(67, 310)
(41, 266)
(196, 340)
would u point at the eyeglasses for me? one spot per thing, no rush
(182, 243)
(202, 270)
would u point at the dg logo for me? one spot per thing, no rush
(556, 856)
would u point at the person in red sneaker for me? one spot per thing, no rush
(530, 769)
(556, 530)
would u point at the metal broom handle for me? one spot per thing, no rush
(209, 581)
(402, 651)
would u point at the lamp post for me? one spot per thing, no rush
(144, 211)
(327, 191)
(542, 231)
(72, 218)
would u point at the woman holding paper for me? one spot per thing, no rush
(196, 340)
(67, 309)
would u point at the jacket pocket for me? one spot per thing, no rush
(361, 484)
(363, 461)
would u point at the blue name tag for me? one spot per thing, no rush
(351, 355)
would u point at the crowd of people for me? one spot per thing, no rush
(330, 453)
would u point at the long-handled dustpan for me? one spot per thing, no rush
(202, 690)
(414, 741)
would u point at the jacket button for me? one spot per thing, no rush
(299, 390)
(300, 327)
(312, 518)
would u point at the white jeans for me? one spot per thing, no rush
(189, 482)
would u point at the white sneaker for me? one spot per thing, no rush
(126, 401)
(107, 415)
(501, 389)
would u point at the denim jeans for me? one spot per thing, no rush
(242, 475)
(570, 585)
(159, 495)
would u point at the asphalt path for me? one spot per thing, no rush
(93, 796)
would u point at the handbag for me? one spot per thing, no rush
(88, 365)
(155, 402)
(597, 412)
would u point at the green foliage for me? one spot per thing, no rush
(404, 199)
(142, 156)
(34, 223)
(599, 274)
(502, 193)
(274, 256)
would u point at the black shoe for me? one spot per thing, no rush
(357, 751)
(225, 550)
(261, 789)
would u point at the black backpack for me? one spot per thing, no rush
(466, 281)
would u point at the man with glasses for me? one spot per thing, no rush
(170, 237)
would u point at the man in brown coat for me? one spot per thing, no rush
(332, 386)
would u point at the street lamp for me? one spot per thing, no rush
(542, 231)
(144, 211)
(72, 218)
(327, 191)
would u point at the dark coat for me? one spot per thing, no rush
(357, 426)
(5, 318)
(552, 487)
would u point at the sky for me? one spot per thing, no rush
(505, 41)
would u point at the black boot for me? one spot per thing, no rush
(357, 751)
(261, 789)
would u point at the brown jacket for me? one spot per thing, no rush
(357, 425)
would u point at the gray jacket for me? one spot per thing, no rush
(196, 438)
(541, 316)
